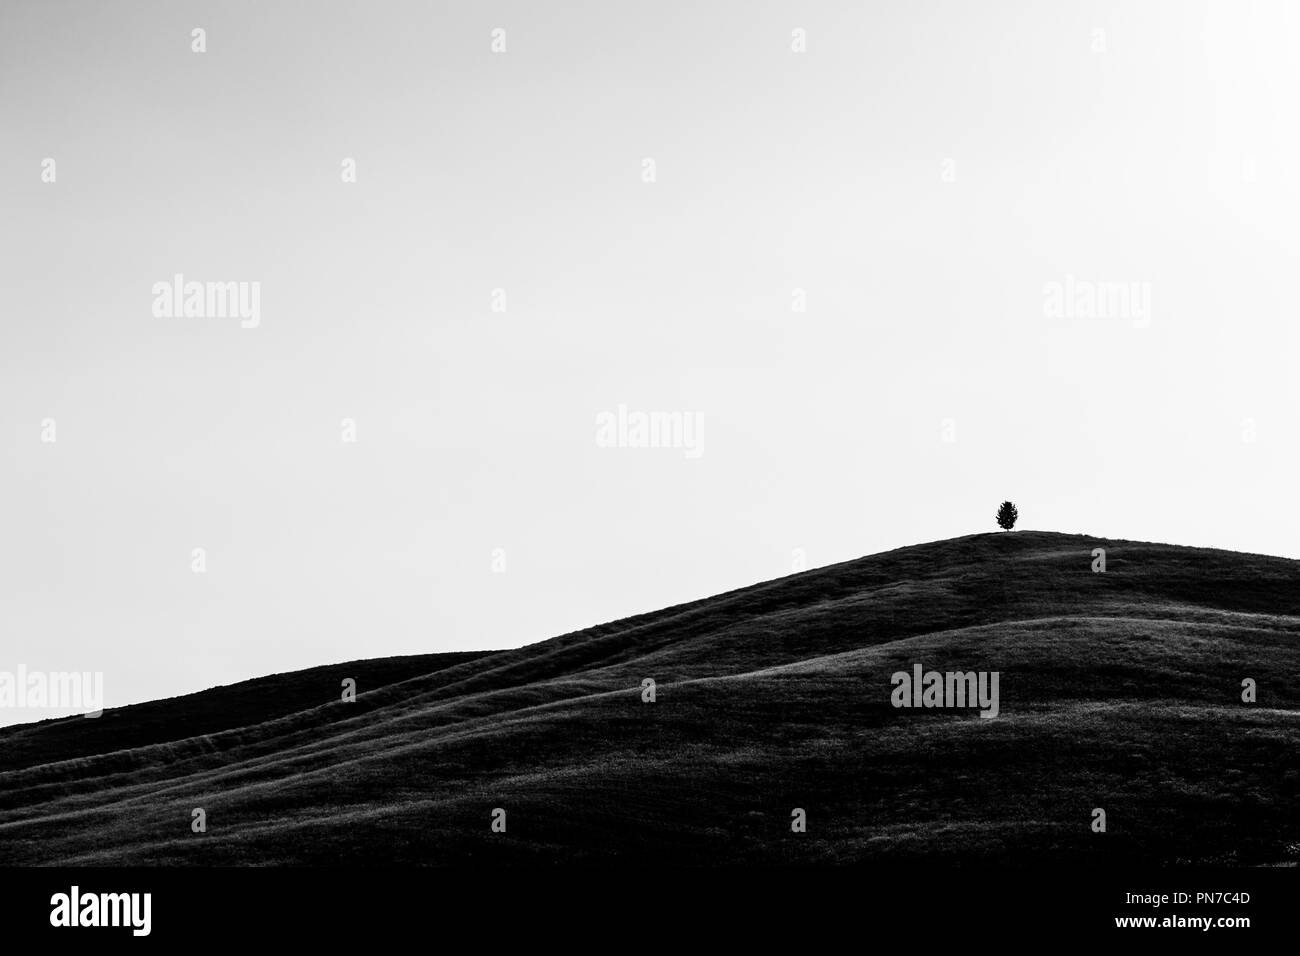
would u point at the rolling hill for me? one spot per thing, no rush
(1119, 690)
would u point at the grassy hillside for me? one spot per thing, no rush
(1118, 690)
(207, 712)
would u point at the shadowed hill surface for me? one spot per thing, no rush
(206, 712)
(1119, 690)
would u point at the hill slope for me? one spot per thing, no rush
(1119, 690)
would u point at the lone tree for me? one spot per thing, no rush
(1007, 515)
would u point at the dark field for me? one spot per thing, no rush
(1119, 690)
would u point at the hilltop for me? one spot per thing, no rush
(1119, 690)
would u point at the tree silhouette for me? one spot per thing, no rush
(1007, 515)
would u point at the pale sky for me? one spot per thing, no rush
(921, 171)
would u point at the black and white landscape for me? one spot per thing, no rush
(726, 433)
(1119, 691)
